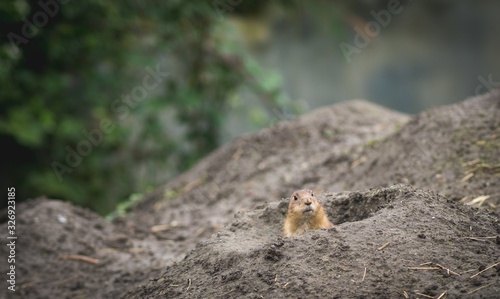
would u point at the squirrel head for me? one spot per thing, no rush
(303, 202)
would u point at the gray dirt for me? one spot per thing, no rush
(215, 231)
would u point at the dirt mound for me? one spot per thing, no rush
(387, 243)
(65, 251)
(68, 252)
(258, 168)
(454, 150)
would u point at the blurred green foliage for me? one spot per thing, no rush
(59, 77)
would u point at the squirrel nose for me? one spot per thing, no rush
(308, 203)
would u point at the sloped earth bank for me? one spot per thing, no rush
(388, 243)
(452, 150)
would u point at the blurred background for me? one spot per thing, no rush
(102, 101)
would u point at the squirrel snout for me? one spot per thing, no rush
(308, 203)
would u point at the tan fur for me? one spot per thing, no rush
(305, 212)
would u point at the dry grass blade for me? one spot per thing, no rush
(470, 163)
(383, 246)
(81, 258)
(447, 269)
(358, 162)
(29, 284)
(487, 268)
(160, 227)
(424, 295)
(481, 239)
(201, 231)
(424, 264)
(191, 185)
(485, 166)
(465, 178)
(480, 288)
(442, 295)
(478, 201)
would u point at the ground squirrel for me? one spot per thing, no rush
(305, 212)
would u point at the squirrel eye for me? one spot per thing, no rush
(312, 194)
(295, 197)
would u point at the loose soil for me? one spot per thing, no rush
(215, 231)
(387, 243)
